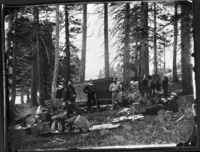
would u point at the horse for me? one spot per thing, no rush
(152, 82)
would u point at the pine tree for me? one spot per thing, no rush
(155, 41)
(106, 46)
(144, 53)
(67, 50)
(186, 50)
(9, 68)
(55, 75)
(126, 72)
(84, 40)
(175, 76)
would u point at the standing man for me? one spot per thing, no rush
(90, 90)
(114, 88)
(69, 95)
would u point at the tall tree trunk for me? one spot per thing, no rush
(34, 80)
(196, 34)
(28, 96)
(126, 71)
(22, 94)
(34, 75)
(137, 52)
(175, 75)
(186, 51)
(84, 41)
(14, 64)
(8, 50)
(40, 82)
(106, 40)
(137, 59)
(67, 50)
(144, 52)
(55, 74)
(42, 92)
(164, 58)
(155, 42)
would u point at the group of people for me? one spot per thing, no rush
(69, 95)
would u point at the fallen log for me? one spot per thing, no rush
(104, 126)
(125, 118)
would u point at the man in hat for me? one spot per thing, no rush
(167, 104)
(90, 90)
(69, 95)
(114, 88)
(171, 104)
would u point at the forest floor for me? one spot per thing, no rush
(151, 130)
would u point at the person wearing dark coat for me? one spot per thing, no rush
(69, 95)
(169, 104)
(90, 90)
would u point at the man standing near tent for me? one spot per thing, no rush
(90, 90)
(69, 95)
(114, 88)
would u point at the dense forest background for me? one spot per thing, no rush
(37, 62)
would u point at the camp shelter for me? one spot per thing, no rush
(102, 86)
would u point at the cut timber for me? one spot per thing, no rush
(125, 110)
(124, 118)
(179, 119)
(105, 126)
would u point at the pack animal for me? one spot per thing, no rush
(155, 82)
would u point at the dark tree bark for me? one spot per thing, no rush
(137, 59)
(175, 75)
(144, 52)
(155, 42)
(106, 40)
(34, 72)
(164, 62)
(186, 51)
(84, 41)
(34, 80)
(22, 95)
(67, 50)
(42, 93)
(28, 96)
(9, 72)
(136, 77)
(14, 64)
(126, 72)
(39, 78)
(55, 74)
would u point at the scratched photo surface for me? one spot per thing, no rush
(100, 75)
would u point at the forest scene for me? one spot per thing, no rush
(146, 46)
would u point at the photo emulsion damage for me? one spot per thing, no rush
(100, 75)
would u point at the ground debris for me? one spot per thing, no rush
(179, 119)
(126, 118)
(127, 133)
(103, 132)
(104, 126)
(124, 111)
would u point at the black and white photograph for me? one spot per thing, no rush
(104, 75)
